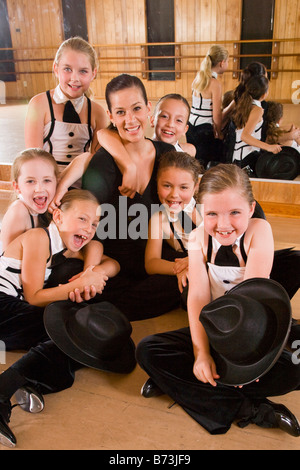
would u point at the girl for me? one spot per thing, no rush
(227, 204)
(205, 120)
(170, 122)
(27, 261)
(248, 119)
(177, 179)
(229, 128)
(137, 294)
(24, 267)
(34, 176)
(50, 124)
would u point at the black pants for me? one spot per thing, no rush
(208, 148)
(168, 359)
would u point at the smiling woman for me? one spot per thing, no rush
(137, 294)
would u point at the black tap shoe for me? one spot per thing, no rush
(150, 389)
(7, 438)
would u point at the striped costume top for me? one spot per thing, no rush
(10, 268)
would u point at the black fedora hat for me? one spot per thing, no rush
(285, 165)
(96, 335)
(247, 329)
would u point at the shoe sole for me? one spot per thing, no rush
(29, 401)
(5, 441)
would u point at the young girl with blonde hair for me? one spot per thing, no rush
(64, 121)
(205, 120)
(180, 363)
(25, 267)
(34, 178)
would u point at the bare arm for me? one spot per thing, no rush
(35, 254)
(217, 106)
(154, 264)
(15, 222)
(35, 121)
(198, 297)
(261, 249)
(69, 175)
(100, 122)
(111, 141)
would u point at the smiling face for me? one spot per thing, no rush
(36, 184)
(226, 215)
(175, 188)
(170, 120)
(74, 72)
(77, 225)
(129, 114)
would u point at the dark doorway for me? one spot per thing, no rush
(160, 28)
(257, 23)
(7, 66)
(74, 15)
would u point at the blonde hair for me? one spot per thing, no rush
(77, 195)
(78, 44)
(31, 154)
(224, 176)
(214, 56)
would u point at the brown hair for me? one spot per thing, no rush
(121, 82)
(253, 69)
(176, 97)
(224, 176)
(273, 115)
(255, 88)
(181, 160)
(31, 154)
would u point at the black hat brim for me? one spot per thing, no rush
(274, 296)
(56, 318)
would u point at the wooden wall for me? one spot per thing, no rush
(39, 24)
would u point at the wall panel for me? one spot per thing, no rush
(34, 27)
(38, 25)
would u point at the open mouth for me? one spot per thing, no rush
(40, 202)
(74, 87)
(79, 240)
(133, 130)
(168, 133)
(225, 233)
(174, 204)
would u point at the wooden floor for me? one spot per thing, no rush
(106, 412)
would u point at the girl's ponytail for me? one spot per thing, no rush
(255, 89)
(215, 55)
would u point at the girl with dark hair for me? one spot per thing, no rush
(248, 118)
